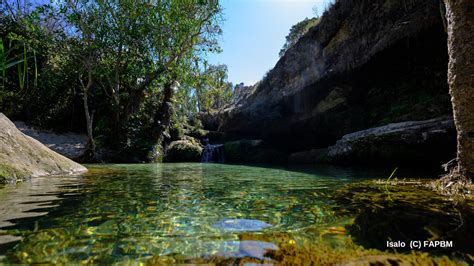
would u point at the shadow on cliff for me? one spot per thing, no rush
(349, 73)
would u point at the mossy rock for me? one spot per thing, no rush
(308, 157)
(176, 132)
(220, 137)
(11, 173)
(184, 150)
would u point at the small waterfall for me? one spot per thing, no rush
(213, 153)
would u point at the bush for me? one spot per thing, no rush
(185, 150)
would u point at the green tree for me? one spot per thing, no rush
(296, 31)
(24, 42)
(115, 69)
(142, 46)
(205, 88)
(213, 91)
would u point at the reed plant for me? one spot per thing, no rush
(8, 60)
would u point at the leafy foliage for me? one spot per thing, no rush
(207, 89)
(296, 31)
(124, 51)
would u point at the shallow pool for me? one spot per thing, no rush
(178, 213)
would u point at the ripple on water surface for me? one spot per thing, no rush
(117, 213)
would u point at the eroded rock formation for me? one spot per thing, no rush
(351, 72)
(415, 141)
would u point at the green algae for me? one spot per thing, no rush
(292, 251)
(11, 174)
(408, 211)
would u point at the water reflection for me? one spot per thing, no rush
(241, 249)
(31, 199)
(120, 213)
(236, 225)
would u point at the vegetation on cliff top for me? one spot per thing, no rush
(296, 31)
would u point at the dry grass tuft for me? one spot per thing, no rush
(453, 185)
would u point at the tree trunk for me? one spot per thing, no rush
(162, 117)
(460, 18)
(90, 146)
(89, 120)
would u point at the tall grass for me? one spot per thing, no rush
(21, 61)
(388, 182)
(22, 72)
(2, 62)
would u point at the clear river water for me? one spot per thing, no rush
(226, 214)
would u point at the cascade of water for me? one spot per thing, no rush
(213, 153)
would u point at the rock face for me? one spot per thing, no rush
(252, 151)
(349, 73)
(426, 141)
(308, 157)
(22, 157)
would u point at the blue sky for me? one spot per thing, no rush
(254, 32)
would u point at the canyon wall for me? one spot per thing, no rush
(368, 63)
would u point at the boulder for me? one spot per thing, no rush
(184, 150)
(432, 141)
(23, 157)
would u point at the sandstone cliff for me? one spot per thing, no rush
(367, 63)
(22, 157)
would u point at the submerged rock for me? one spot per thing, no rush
(241, 249)
(405, 212)
(270, 248)
(185, 150)
(241, 225)
(22, 157)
